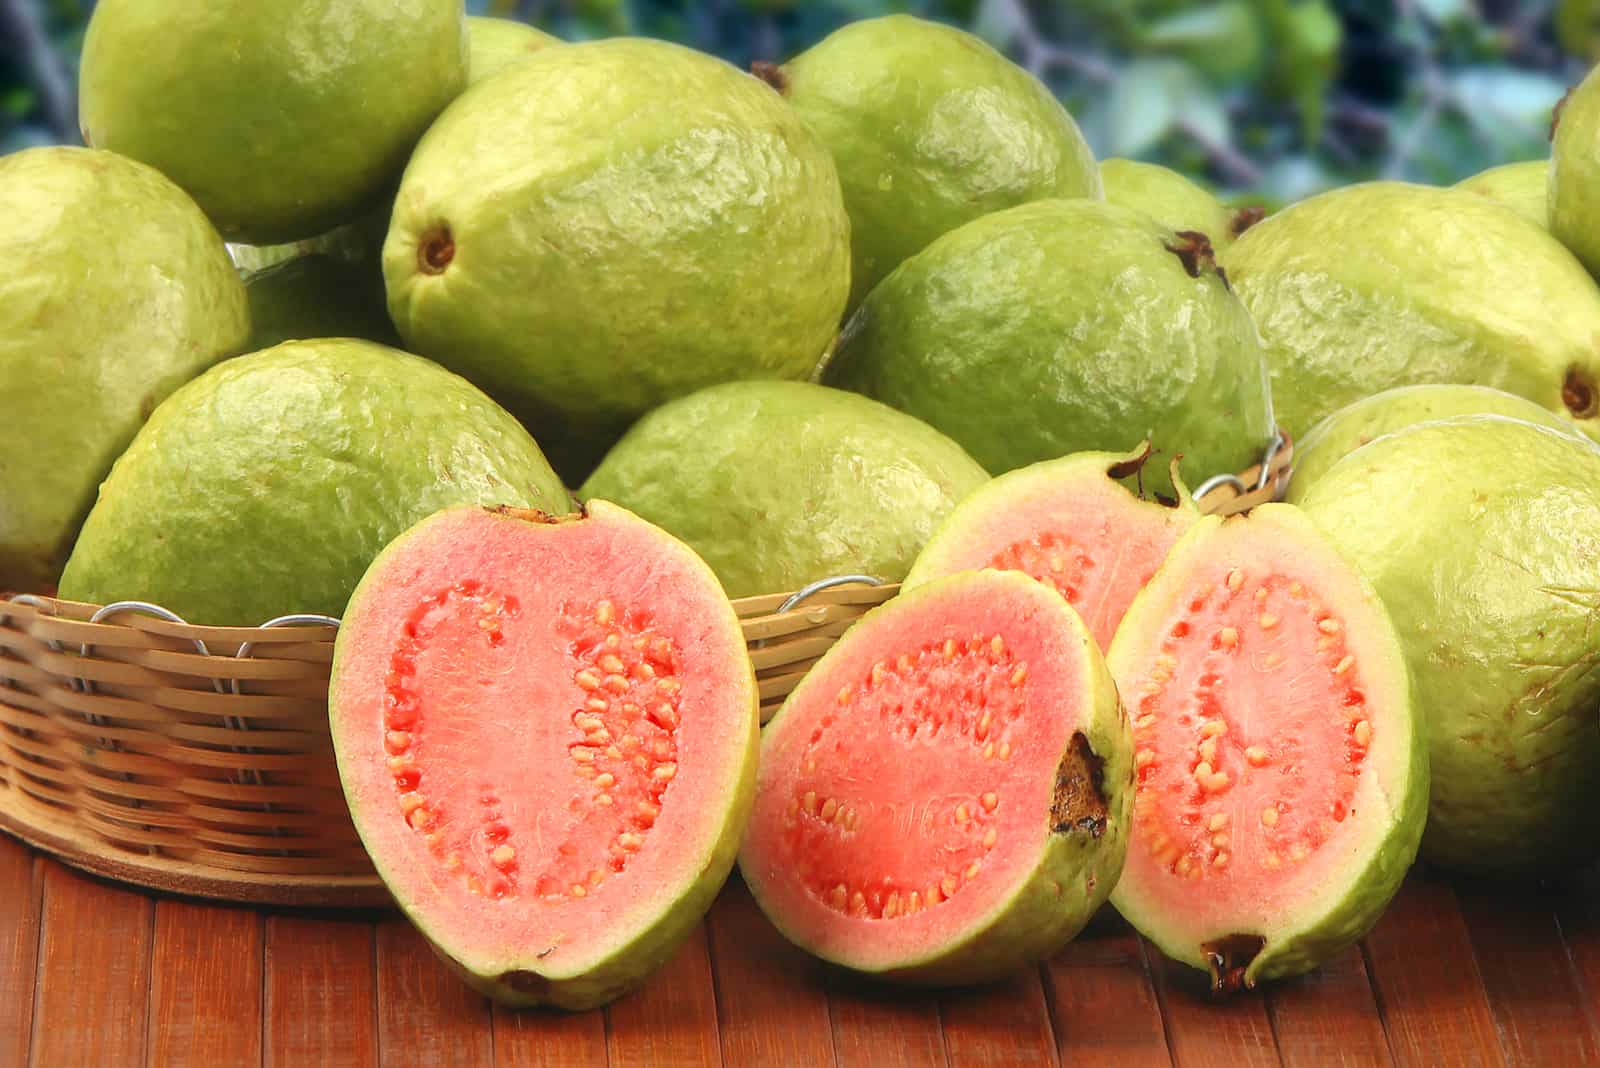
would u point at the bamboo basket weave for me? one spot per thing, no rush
(197, 759)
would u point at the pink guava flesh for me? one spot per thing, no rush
(537, 725)
(908, 788)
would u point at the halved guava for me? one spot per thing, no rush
(546, 730)
(944, 798)
(1282, 772)
(1069, 523)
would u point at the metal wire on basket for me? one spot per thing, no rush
(1239, 485)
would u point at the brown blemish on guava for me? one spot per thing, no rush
(1555, 112)
(772, 74)
(528, 983)
(1228, 958)
(535, 515)
(436, 250)
(1079, 801)
(1578, 393)
(1245, 218)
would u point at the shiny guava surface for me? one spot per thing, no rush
(1072, 523)
(1282, 764)
(944, 798)
(613, 224)
(777, 484)
(114, 291)
(1167, 197)
(267, 485)
(494, 44)
(1481, 533)
(1386, 284)
(546, 730)
(930, 128)
(1522, 187)
(1066, 326)
(1574, 180)
(281, 119)
(1357, 423)
(317, 295)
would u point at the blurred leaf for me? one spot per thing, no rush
(1139, 109)
(1307, 36)
(1000, 22)
(1578, 28)
(1444, 10)
(1495, 98)
(1223, 39)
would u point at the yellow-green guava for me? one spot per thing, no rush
(608, 225)
(282, 119)
(777, 484)
(1480, 533)
(494, 44)
(1574, 180)
(1522, 187)
(1066, 326)
(1169, 198)
(1386, 284)
(114, 291)
(931, 128)
(268, 484)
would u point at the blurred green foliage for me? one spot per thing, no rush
(1270, 98)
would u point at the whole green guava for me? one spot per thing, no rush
(1574, 181)
(1386, 284)
(494, 44)
(931, 128)
(1167, 197)
(281, 119)
(114, 291)
(267, 485)
(608, 225)
(1480, 534)
(1066, 326)
(777, 484)
(1522, 187)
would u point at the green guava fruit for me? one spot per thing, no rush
(1282, 765)
(1574, 195)
(314, 296)
(613, 224)
(1170, 199)
(777, 484)
(1386, 284)
(114, 291)
(1066, 326)
(494, 44)
(546, 732)
(1352, 426)
(1522, 187)
(1071, 523)
(930, 128)
(282, 119)
(944, 798)
(267, 485)
(1480, 533)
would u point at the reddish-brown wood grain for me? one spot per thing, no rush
(1329, 1016)
(320, 1003)
(1102, 1005)
(205, 976)
(673, 1019)
(21, 882)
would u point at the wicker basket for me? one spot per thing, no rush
(197, 759)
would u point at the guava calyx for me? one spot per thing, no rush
(772, 74)
(436, 250)
(1578, 393)
(1247, 217)
(1228, 961)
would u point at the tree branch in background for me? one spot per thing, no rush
(20, 23)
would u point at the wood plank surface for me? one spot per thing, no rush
(205, 977)
(879, 1027)
(672, 1020)
(1002, 1025)
(1103, 1007)
(21, 883)
(1329, 1016)
(1208, 1032)
(320, 1001)
(427, 1017)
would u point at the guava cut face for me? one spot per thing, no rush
(1480, 534)
(1522, 187)
(546, 731)
(944, 798)
(267, 485)
(612, 224)
(1067, 326)
(283, 120)
(1282, 769)
(1387, 284)
(778, 484)
(1169, 198)
(1072, 524)
(494, 44)
(931, 128)
(114, 291)
(1574, 196)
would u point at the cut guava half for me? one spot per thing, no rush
(1070, 523)
(943, 799)
(1282, 771)
(546, 730)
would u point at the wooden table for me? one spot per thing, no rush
(93, 975)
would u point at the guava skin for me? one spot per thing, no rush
(777, 484)
(1480, 534)
(282, 120)
(114, 291)
(1066, 326)
(1387, 284)
(267, 485)
(612, 224)
(1522, 187)
(317, 295)
(1574, 181)
(494, 44)
(1352, 426)
(1167, 197)
(931, 128)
